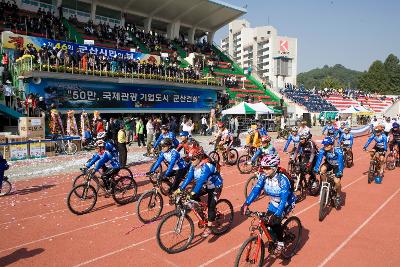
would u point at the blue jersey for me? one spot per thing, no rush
(169, 135)
(206, 174)
(261, 151)
(278, 189)
(175, 162)
(295, 139)
(105, 159)
(380, 141)
(262, 131)
(338, 133)
(112, 149)
(333, 157)
(327, 128)
(347, 139)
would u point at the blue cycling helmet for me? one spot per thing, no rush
(184, 133)
(378, 180)
(328, 141)
(395, 125)
(331, 131)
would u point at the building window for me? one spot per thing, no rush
(268, 32)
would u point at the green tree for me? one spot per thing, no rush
(376, 79)
(392, 70)
(330, 82)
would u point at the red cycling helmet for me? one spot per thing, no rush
(196, 152)
(220, 124)
(265, 139)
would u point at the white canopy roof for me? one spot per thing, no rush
(261, 108)
(354, 109)
(240, 109)
(394, 110)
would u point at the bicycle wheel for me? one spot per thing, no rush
(153, 178)
(390, 162)
(371, 171)
(149, 206)
(322, 203)
(314, 191)
(125, 171)
(251, 182)
(251, 253)
(299, 189)
(81, 199)
(232, 156)
(214, 156)
(175, 232)
(349, 159)
(82, 178)
(292, 230)
(5, 188)
(224, 217)
(242, 164)
(70, 148)
(125, 190)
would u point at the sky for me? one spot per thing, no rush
(353, 33)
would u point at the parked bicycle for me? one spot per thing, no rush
(229, 155)
(65, 147)
(5, 187)
(327, 195)
(176, 230)
(83, 197)
(252, 252)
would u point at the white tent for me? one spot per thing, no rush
(261, 108)
(240, 109)
(354, 109)
(393, 110)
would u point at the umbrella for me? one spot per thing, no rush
(240, 109)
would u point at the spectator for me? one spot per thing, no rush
(139, 132)
(122, 145)
(41, 105)
(150, 134)
(8, 93)
(203, 125)
(157, 128)
(128, 130)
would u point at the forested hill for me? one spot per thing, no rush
(332, 77)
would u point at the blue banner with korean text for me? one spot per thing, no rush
(77, 95)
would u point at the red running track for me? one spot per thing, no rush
(38, 230)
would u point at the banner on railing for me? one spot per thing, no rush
(11, 40)
(67, 94)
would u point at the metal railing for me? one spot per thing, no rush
(26, 64)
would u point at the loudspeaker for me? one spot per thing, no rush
(307, 118)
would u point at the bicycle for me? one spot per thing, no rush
(242, 162)
(374, 166)
(155, 200)
(392, 160)
(5, 187)
(229, 155)
(95, 181)
(301, 185)
(283, 133)
(327, 195)
(65, 147)
(348, 156)
(179, 221)
(122, 188)
(253, 249)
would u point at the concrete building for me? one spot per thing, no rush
(273, 58)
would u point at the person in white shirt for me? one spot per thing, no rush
(203, 125)
(388, 125)
(303, 128)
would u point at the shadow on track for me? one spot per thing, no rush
(19, 254)
(31, 189)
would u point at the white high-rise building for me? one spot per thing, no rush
(272, 57)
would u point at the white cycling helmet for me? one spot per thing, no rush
(101, 135)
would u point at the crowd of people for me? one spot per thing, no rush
(41, 22)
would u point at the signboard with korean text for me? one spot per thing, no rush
(78, 95)
(37, 150)
(19, 151)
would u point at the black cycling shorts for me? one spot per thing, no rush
(330, 167)
(379, 149)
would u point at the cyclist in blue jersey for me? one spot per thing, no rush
(106, 161)
(282, 199)
(346, 138)
(266, 148)
(176, 165)
(165, 133)
(334, 161)
(293, 137)
(261, 130)
(380, 147)
(394, 142)
(208, 181)
(340, 131)
(327, 127)
(109, 145)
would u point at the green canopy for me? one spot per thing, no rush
(240, 109)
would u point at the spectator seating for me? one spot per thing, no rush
(378, 105)
(312, 102)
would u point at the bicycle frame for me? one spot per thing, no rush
(261, 228)
(326, 184)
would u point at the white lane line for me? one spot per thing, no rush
(65, 233)
(220, 256)
(344, 243)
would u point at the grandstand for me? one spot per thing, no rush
(376, 104)
(312, 102)
(131, 46)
